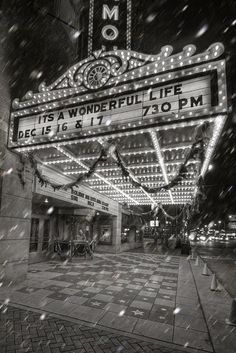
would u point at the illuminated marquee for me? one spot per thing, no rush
(158, 101)
(119, 90)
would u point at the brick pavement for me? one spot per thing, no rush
(24, 331)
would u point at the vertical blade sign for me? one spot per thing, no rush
(110, 25)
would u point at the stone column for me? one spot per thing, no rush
(15, 200)
(116, 231)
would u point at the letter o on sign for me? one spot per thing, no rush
(110, 32)
(166, 107)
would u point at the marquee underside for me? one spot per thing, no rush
(153, 155)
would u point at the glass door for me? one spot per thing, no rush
(34, 235)
(46, 230)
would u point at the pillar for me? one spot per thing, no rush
(15, 200)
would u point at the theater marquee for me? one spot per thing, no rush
(118, 90)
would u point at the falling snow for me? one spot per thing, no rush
(39, 44)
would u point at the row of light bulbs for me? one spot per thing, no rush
(144, 178)
(56, 159)
(48, 93)
(218, 127)
(137, 169)
(92, 139)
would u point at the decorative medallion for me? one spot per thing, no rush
(97, 74)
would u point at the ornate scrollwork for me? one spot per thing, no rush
(106, 68)
(118, 66)
(97, 73)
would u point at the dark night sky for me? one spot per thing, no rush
(38, 42)
(38, 49)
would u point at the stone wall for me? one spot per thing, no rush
(15, 200)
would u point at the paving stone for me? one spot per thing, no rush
(190, 310)
(148, 293)
(153, 285)
(86, 282)
(169, 284)
(77, 300)
(166, 296)
(186, 300)
(162, 313)
(115, 288)
(54, 288)
(116, 308)
(58, 296)
(156, 278)
(27, 290)
(69, 291)
(165, 302)
(104, 298)
(86, 313)
(95, 304)
(60, 307)
(93, 290)
(137, 312)
(145, 299)
(141, 305)
(192, 338)
(145, 272)
(124, 323)
(190, 322)
(57, 283)
(224, 337)
(134, 286)
(142, 280)
(105, 282)
(154, 330)
(122, 300)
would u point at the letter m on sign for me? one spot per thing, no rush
(108, 13)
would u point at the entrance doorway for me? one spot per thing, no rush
(39, 238)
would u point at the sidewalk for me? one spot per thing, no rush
(152, 298)
(216, 306)
(225, 271)
(221, 259)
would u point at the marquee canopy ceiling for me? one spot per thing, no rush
(153, 155)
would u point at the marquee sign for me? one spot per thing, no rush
(161, 100)
(119, 90)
